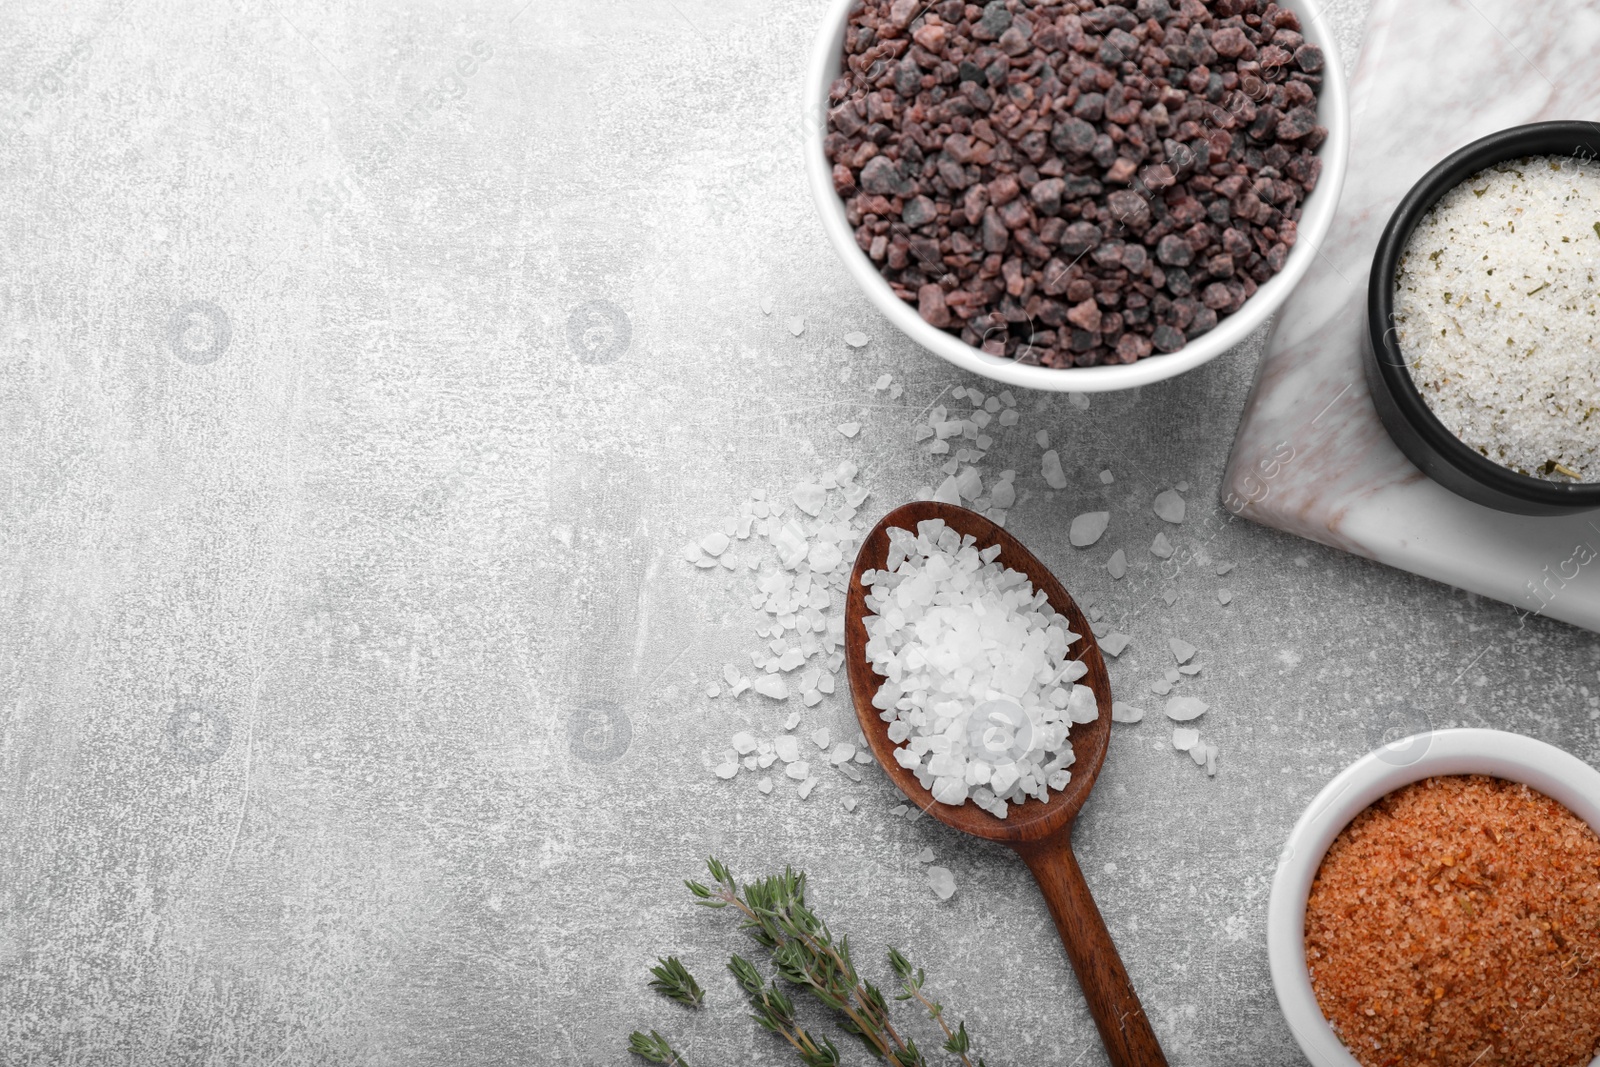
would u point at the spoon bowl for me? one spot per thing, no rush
(1041, 833)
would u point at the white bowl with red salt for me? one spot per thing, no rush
(1513, 757)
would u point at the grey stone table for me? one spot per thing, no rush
(365, 371)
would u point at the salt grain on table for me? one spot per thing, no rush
(1043, 437)
(792, 721)
(797, 325)
(766, 305)
(787, 746)
(857, 339)
(798, 770)
(1054, 476)
(925, 856)
(1115, 643)
(1182, 709)
(806, 787)
(1169, 506)
(1106, 478)
(1184, 739)
(1087, 528)
(765, 785)
(1224, 597)
(1117, 565)
(1161, 548)
(1182, 651)
(942, 881)
(849, 429)
(819, 737)
(850, 804)
(1121, 712)
(744, 743)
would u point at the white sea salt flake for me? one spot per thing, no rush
(942, 882)
(1169, 596)
(1182, 487)
(713, 690)
(1224, 568)
(1189, 668)
(895, 390)
(1184, 739)
(766, 305)
(730, 674)
(1211, 759)
(863, 753)
(1106, 478)
(819, 737)
(969, 484)
(1182, 709)
(1160, 687)
(883, 380)
(1171, 675)
(798, 770)
(921, 433)
(1182, 651)
(765, 785)
(849, 429)
(809, 498)
(1008, 417)
(824, 557)
(705, 562)
(691, 552)
(1087, 528)
(1117, 565)
(806, 787)
(771, 685)
(938, 448)
(849, 803)
(1003, 495)
(787, 746)
(1169, 506)
(898, 809)
(1054, 476)
(855, 339)
(925, 856)
(1198, 753)
(740, 686)
(1121, 712)
(1043, 437)
(743, 742)
(1079, 400)
(843, 752)
(751, 762)
(726, 770)
(714, 544)
(948, 492)
(1115, 644)
(797, 325)
(1161, 548)
(1224, 597)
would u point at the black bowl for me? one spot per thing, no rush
(1421, 436)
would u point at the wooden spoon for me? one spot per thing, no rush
(1040, 833)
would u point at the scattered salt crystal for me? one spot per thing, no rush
(819, 737)
(1003, 495)
(1182, 487)
(948, 492)
(855, 339)
(771, 685)
(1121, 712)
(798, 770)
(898, 809)
(843, 752)
(1115, 644)
(1184, 739)
(1169, 596)
(1087, 528)
(1171, 675)
(849, 429)
(1079, 400)
(849, 803)
(1170, 506)
(751, 763)
(740, 686)
(863, 754)
(809, 498)
(765, 785)
(1106, 477)
(766, 305)
(726, 770)
(1161, 548)
(895, 390)
(797, 325)
(792, 721)
(1182, 709)
(1224, 568)
(1224, 597)
(713, 690)
(1043, 437)
(1160, 687)
(714, 544)
(1118, 563)
(921, 433)
(969, 483)
(1182, 651)
(1189, 668)
(925, 856)
(787, 746)
(730, 674)
(1198, 754)
(744, 742)
(942, 881)
(691, 552)
(1054, 477)
(806, 787)
(882, 383)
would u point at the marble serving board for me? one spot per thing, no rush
(1311, 456)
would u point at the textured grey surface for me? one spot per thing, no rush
(352, 685)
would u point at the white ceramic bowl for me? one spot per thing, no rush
(1557, 774)
(1317, 216)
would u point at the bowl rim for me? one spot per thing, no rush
(1316, 220)
(1514, 142)
(1553, 771)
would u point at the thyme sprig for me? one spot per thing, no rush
(673, 981)
(806, 955)
(911, 982)
(655, 1049)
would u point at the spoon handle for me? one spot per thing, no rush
(1124, 1028)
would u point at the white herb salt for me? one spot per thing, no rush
(979, 691)
(1498, 314)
